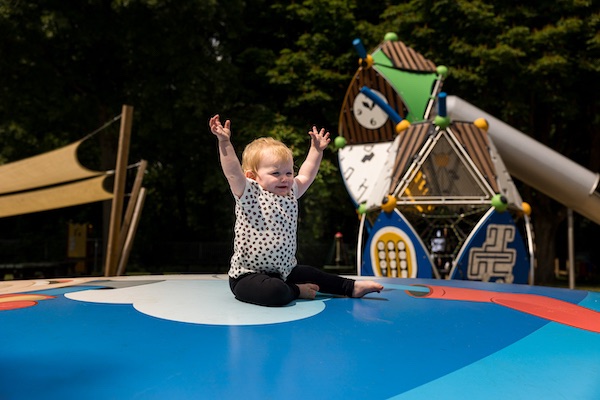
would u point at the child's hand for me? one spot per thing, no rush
(319, 139)
(220, 131)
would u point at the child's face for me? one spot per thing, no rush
(274, 174)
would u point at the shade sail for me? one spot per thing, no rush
(47, 169)
(71, 194)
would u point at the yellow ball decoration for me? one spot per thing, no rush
(388, 204)
(526, 208)
(481, 123)
(366, 62)
(402, 126)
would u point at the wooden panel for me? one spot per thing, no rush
(410, 143)
(404, 57)
(475, 142)
(349, 127)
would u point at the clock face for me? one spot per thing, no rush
(367, 112)
(359, 165)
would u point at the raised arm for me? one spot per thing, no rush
(308, 171)
(229, 160)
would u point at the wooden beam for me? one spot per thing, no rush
(135, 191)
(116, 212)
(139, 204)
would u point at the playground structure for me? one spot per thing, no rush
(57, 179)
(431, 175)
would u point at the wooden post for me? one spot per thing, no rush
(112, 254)
(139, 204)
(135, 191)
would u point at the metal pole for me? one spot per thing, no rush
(338, 248)
(359, 244)
(571, 249)
(530, 248)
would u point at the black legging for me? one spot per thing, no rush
(270, 290)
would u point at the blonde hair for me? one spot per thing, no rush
(254, 151)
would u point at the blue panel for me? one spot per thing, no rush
(394, 249)
(493, 252)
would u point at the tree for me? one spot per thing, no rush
(67, 69)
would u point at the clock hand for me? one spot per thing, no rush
(383, 105)
(370, 106)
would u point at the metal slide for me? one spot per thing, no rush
(535, 164)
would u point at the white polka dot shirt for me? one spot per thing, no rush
(265, 232)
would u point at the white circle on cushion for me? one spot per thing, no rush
(207, 302)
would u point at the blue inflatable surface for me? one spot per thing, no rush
(186, 337)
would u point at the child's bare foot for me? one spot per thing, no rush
(363, 287)
(308, 290)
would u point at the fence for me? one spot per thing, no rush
(26, 259)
